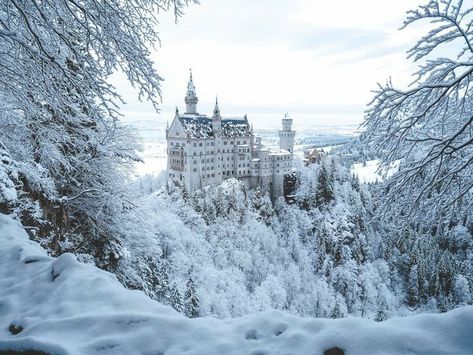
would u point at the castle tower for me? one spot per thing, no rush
(191, 98)
(217, 121)
(286, 135)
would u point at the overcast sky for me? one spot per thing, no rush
(317, 60)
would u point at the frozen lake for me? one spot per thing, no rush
(309, 133)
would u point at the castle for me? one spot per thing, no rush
(205, 150)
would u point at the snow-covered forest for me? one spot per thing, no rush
(338, 247)
(326, 255)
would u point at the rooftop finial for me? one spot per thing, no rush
(190, 73)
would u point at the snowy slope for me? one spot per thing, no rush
(60, 306)
(370, 173)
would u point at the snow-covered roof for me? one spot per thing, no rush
(200, 126)
(279, 152)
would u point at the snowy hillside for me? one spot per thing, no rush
(60, 306)
(369, 172)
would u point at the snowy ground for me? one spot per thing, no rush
(369, 173)
(60, 306)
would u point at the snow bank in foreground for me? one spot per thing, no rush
(60, 306)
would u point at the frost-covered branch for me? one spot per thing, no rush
(429, 126)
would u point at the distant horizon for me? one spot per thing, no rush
(300, 119)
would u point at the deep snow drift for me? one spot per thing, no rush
(60, 306)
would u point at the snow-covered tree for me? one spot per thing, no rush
(428, 126)
(8, 176)
(191, 301)
(58, 114)
(175, 298)
(54, 47)
(461, 291)
(324, 193)
(337, 311)
(382, 312)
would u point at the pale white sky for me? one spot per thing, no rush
(312, 58)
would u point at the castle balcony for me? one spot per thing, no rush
(176, 158)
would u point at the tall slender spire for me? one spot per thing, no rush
(217, 121)
(216, 109)
(191, 98)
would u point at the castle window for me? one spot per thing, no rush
(194, 170)
(195, 144)
(200, 144)
(225, 143)
(212, 143)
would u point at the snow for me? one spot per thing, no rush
(369, 172)
(200, 126)
(61, 306)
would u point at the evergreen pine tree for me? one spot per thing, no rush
(324, 193)
(191, 300)
(337, 312)
(382, 312)
(162, 286)
(175, 298)
(412, 288)
(461, 291)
